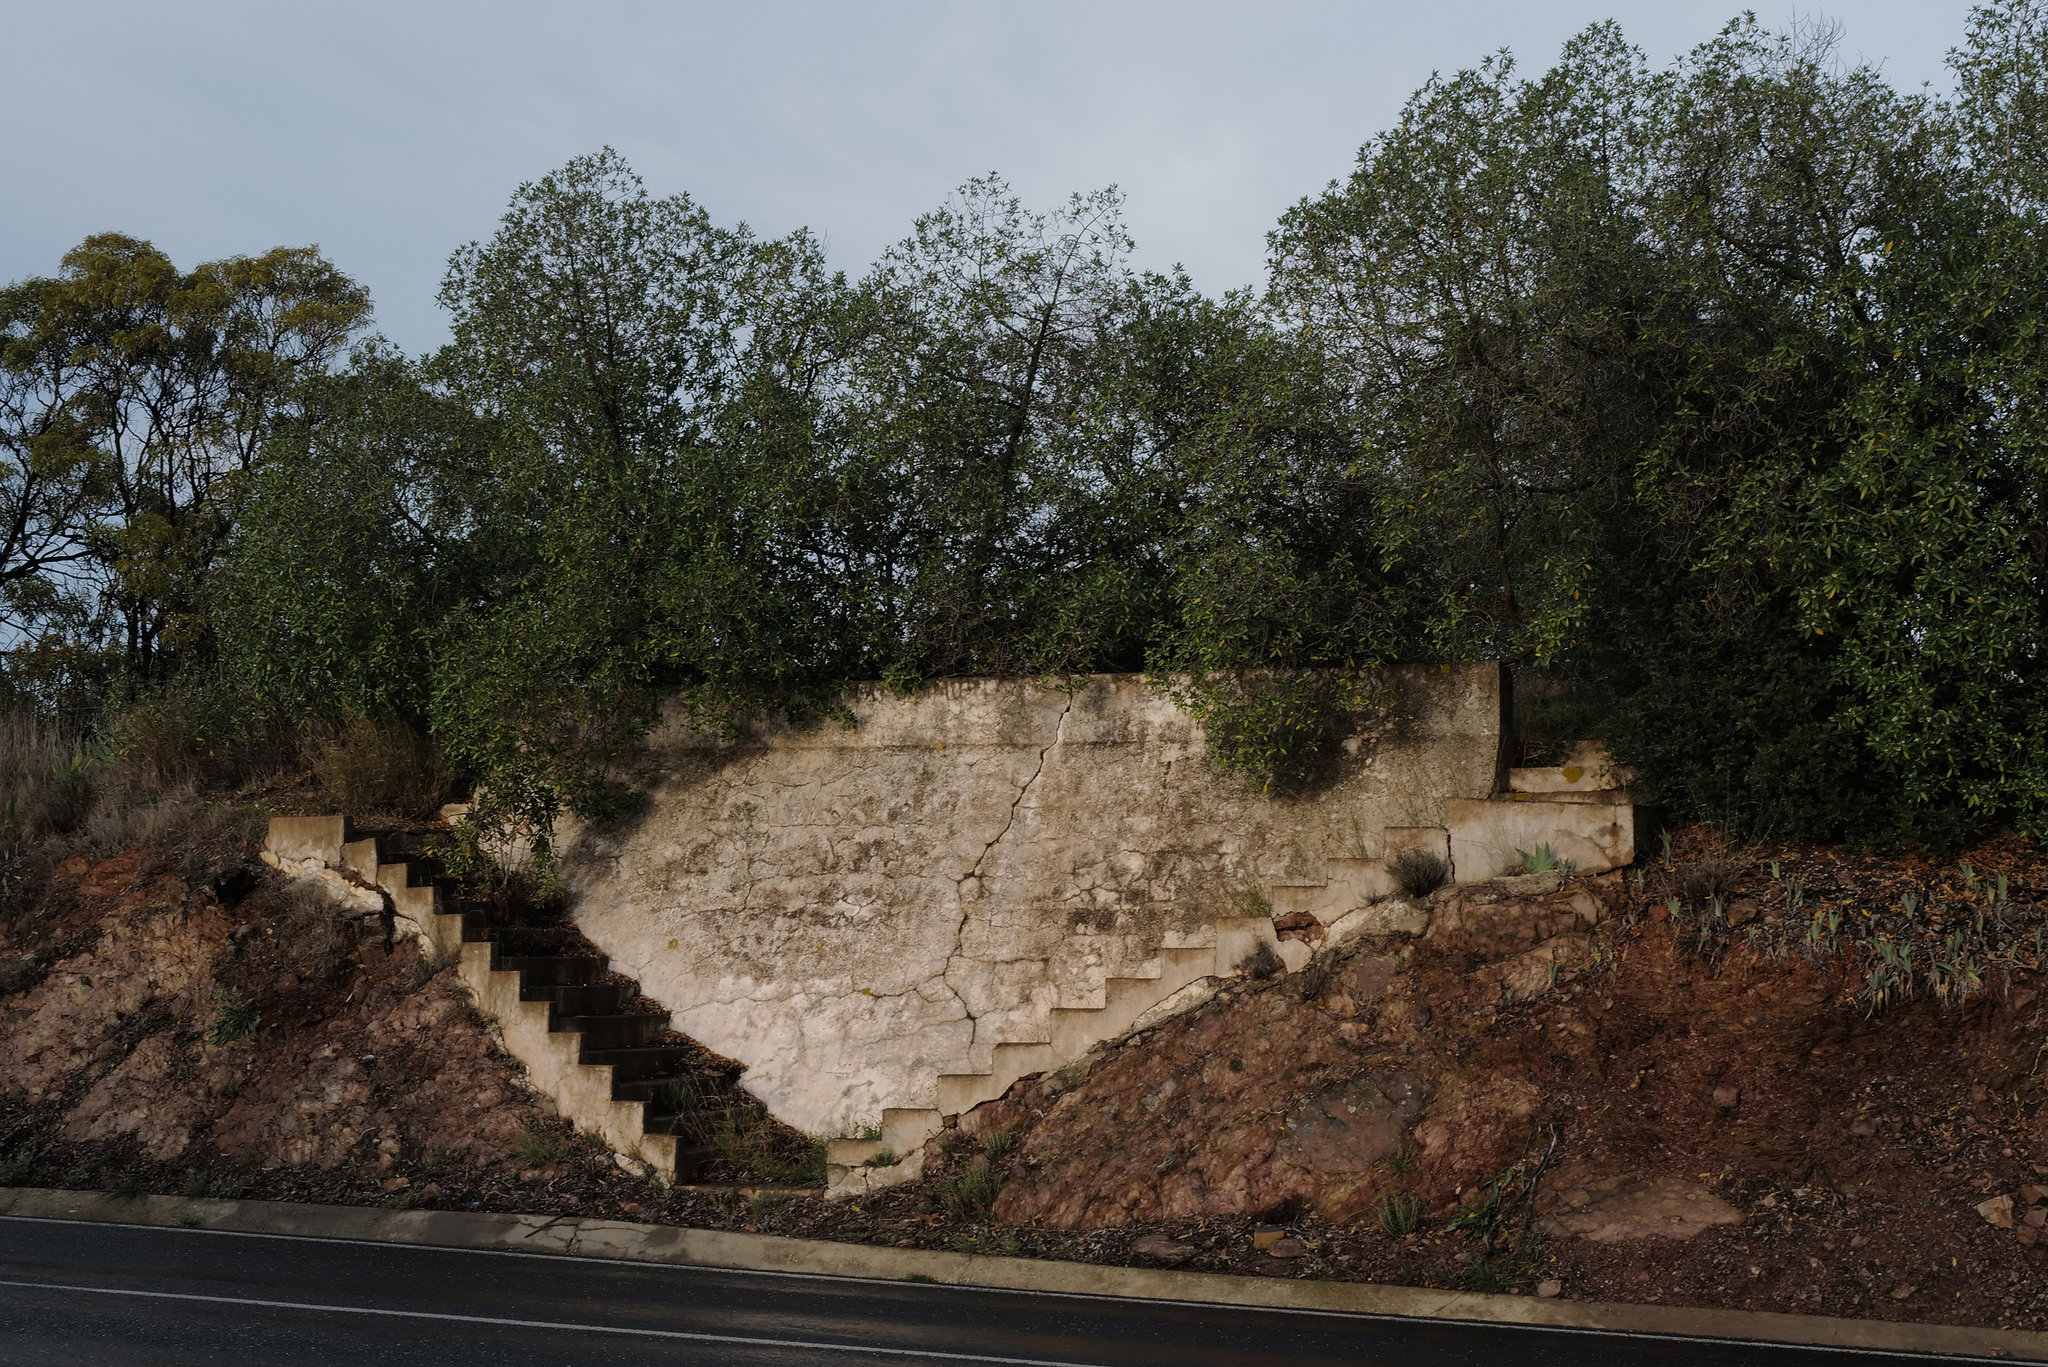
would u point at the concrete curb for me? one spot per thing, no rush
(570, 1236)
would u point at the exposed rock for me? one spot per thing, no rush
(1476, 1126)
(1997, 1211)
(1395, 916)
(1615, 1207)
(1195, 994)
(1161, 1249)
(1266, 1237)
(142, 1097)
(1550, 1288)
(1353, 1125)
(1287, 1248)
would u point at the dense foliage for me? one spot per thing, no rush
(1713, 391)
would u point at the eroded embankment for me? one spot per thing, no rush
(182, 1020)
(1558, 1091)
(1712, 1101)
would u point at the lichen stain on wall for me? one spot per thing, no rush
(853, 910)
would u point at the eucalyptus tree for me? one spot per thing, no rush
(134, 399)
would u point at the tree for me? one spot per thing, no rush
(133, 398)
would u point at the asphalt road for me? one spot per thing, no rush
(82, 1294)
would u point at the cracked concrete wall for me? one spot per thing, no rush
(853, 910)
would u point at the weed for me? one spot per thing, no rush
(807, 1169)
(997, 1144)
(190, 1221)
(1246, 898)
(537, 1148)
(1400, 1161)
(1399, 1214)
(766, 1204)
(1262, 963)
(921, 1277)
(400, 1200)
(233, 1017)
(883, 1158)
(1542, 859)
(972, 1192)
(15, 1171)
(126, 1186)
(1419, 872)
(1482, 1276)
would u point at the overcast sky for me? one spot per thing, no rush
(391, 133)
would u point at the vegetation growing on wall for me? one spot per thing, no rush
(1715, 388)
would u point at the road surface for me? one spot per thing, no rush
(82, 1294)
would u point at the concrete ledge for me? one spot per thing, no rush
(297, 839)
(615, 1239)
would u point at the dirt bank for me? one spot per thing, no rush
(1790, 1079)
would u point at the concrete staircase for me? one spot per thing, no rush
(609, 1069)
(856, 1166)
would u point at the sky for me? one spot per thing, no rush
(389, 134)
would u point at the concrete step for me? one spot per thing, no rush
(1489, 836)
(905, 1128)
(592, 999)
(959, 1092)
(549, 970)
(622, 1030)
(640, 1062)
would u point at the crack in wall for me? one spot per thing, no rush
(954, 955)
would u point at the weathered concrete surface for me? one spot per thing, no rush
(1489, 838)
(853, 911)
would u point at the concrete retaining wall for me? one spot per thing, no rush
(853, 911)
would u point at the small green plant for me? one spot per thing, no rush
(972, 1192)
(884, 1157)
(233, 1017)
(400, 1200)
(921, 1277)
(1484, 1277)
(1400, 1161)
(537, 1148)
(767, 1204)
(1399, 1214)
(806, 1169)
(997, 1144)
(1419, 872)
(1542, 859)
(190, 1221)
(126, 1186)
(15, 1171)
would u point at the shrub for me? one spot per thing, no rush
(997, 1144)
(1419, 872)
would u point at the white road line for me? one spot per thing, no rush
(554, 1324)
(1374, 1318)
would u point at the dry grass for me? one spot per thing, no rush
(61, 796)
(378, 764)
(1419, 872)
